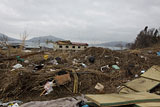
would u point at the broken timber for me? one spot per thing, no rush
(133, 92)
(122, 99)
(75, 88)
(145, 83)
(150, 104)
(152, 73)
(141, 84)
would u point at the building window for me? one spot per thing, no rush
(79, 46)
(73, 46)
(60, 46)
(67, 46)
(85, 47)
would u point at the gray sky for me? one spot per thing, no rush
(79, 20)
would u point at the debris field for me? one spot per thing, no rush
(94, 65)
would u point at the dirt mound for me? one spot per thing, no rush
(129, 62)
(27, 86)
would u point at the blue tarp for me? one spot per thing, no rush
(158, 53)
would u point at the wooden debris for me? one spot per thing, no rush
(141, 84)
(152, 104)
(122, 99)
(75, 88)
(125, 90)
(153, 73)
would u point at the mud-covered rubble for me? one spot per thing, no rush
(26, 85)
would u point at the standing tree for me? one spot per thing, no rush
(120, 45)
(39, 42)
(146, 38)
(23, 38)
(47, 41)
(4, 43)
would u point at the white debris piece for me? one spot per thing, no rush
(107, 66)
(17, 66)
(14, 105)
(53, 62)
(75, 61)
(48, 87)
(27, 51)
(136, 75)
(99, 87)
(26, 61)
(52, 70)
(84, 65)
(143, 71)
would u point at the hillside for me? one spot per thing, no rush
(111, 44)
(43, 39)
(9, 38)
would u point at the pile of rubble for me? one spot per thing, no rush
(54, 74)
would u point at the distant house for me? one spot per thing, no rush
(68, 45)
(15, 45)
(30, 47)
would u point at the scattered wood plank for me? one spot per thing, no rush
(125, 90)
(152, 73)
(122, 99)
(75, 88)
(141, 84)
(152, 104)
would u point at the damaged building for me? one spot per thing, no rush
(68, 45)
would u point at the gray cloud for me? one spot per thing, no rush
(79, 20)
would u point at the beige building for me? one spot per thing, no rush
(68, 45)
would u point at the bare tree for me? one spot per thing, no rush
(120, 45)
(145, 29)
(47, 41)
(23, 37)
(4, 43)
(39, 42)
(129, 45)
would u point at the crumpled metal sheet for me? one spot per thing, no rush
(62, 102)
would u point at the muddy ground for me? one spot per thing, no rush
(25, 85)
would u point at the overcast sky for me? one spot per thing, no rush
(79, 20)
